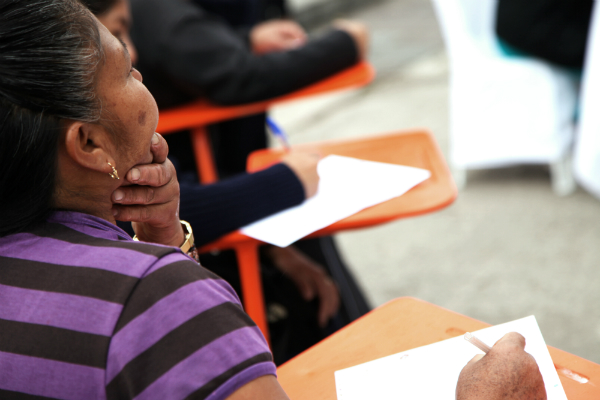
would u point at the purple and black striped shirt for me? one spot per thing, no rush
(87, 313)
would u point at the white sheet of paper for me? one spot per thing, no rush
(431, 372)
(346, 186)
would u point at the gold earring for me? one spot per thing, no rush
(114, 174)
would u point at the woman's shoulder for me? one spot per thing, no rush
(182, 318)
(92, 259)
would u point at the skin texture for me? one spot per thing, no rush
(122, 138)
(304, 165)
(507, 372)
(276, 35)
(150, 196)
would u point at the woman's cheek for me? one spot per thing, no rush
(142, 118)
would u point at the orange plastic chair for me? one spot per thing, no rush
(416, 148)
(197, 115)
(397, 326)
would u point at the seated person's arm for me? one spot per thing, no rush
(205, 57)
(223, 207)
(282, 35)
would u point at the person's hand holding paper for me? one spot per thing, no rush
(346, 186)
(304, 166)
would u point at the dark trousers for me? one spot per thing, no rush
(292, 321)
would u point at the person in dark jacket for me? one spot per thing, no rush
(553, 30)
(187, 53)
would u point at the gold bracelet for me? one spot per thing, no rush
(188, 242)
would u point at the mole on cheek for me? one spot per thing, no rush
(142, 118)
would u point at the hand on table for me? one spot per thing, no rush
(310, 279)
(358, 31)
(276, 35)
(507, 372)
(304, 165)
(150, 198)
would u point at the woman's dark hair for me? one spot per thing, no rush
(99, 7)
(49, 51)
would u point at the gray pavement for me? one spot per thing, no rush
(507, 248)
(312, 13)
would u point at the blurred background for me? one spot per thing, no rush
(508, 247)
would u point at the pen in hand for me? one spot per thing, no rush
(469, 337)
(278, 132)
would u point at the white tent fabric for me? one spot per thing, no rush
(503, 110)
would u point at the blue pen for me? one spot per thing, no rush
(277, 131)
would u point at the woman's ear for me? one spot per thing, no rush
(89, 145)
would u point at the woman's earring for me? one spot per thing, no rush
(114, 174)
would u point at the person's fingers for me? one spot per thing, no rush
(336, 301)
(151, 174)
(475, 359)
(293, 31)
(154, 214)
(289, 43)
(512, 338)
(306, 287)
(515, 338)
(277, 35)
(131, 195)
(329, 300)
(159, 148)
(304, 165)
(286, 29)
(134, 195)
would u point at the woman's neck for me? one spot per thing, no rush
(92, 198)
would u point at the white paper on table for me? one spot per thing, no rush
(431, 372)
(346, 186)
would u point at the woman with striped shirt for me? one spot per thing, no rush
(85, 311)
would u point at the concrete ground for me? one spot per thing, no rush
(507, 248)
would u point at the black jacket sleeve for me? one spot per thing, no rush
(225, 206)
(183, 48)
(554, 30)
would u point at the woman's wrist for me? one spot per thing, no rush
(184, 239)
(172, 235)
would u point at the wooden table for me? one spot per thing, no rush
(397, 326)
